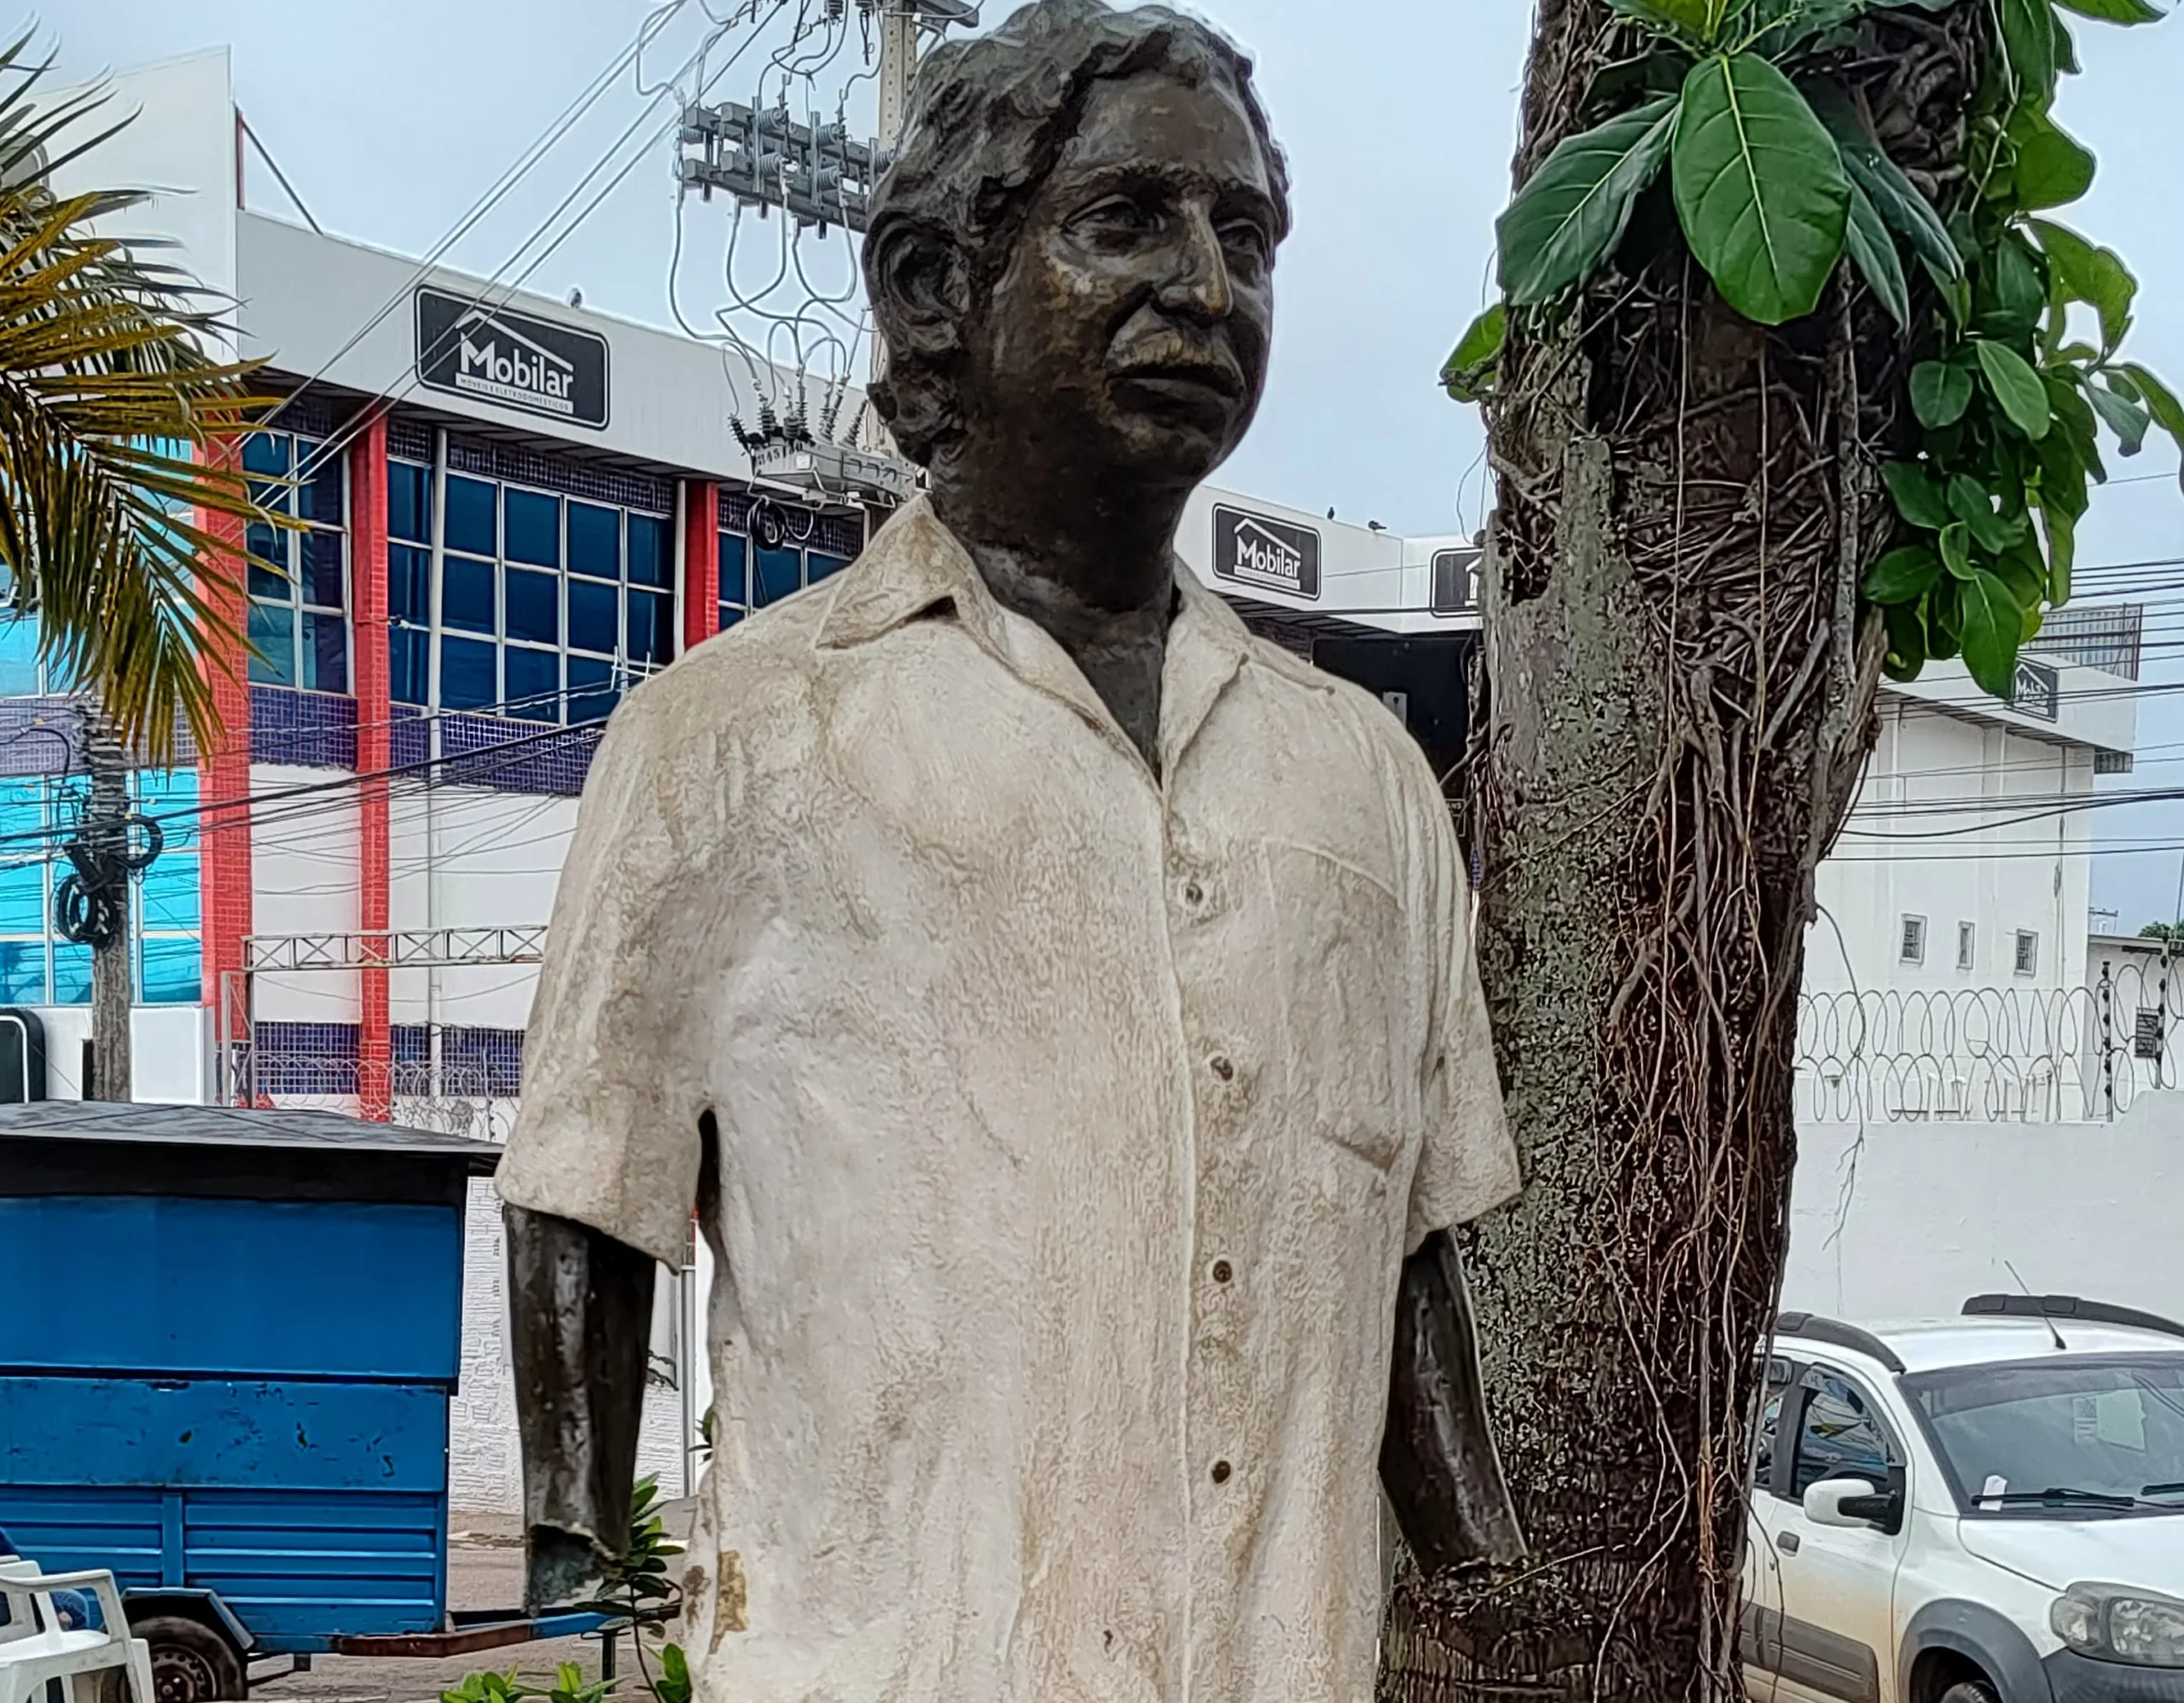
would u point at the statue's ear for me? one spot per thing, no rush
(921, 283)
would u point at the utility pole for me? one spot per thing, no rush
(94, 906)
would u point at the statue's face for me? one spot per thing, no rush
(1128, 337)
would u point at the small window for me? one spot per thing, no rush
(2028, 952)
(1967, 945)
(1839, 1438)
(1914, 948)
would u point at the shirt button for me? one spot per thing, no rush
(1222, 1271)
(1221, 1066)
(1221, 1470)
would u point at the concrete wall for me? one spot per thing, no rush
(1905, 1220)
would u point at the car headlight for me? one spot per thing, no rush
(2121, 1623)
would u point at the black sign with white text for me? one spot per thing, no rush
(492, 354)
(1254, 550)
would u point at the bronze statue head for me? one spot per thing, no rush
(1071, 260)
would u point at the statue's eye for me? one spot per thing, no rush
(1118, 216)
(1247, 236)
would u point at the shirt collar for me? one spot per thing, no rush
(915, 565)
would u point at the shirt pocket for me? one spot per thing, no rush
(1341, 969)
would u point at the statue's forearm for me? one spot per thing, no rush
(1437, 1459)
(580, 1314)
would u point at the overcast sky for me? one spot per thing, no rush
(393, 118)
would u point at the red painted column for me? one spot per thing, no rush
(374, 716)
(223, 764)
(700, 561)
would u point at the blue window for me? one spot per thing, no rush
(595, 541)
(473, 518)
(37, 968)
(776, 574)
(408, 663)
(595, 616)
(466, 598)
(534, 527)
(466, 671)
(592, 697)
(534, 606)
(298, 576)
(650, 562)
(534, 683)
(410, 502)
(818, 568)
(734, 578)
(651, 637)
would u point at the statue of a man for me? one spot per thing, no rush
(1057, 1003)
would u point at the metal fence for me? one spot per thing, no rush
(1992, 1054)
(452, 1096)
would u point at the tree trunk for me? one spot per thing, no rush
(1674, 708)
(113, 982)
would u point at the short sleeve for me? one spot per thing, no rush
(1466, 1163)
(607, 1135)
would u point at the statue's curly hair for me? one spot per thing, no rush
(989, 118)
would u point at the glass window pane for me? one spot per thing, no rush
(471, 519)
(825, 567)
(467, 673)
(170, 794)
(19, 670)
(651, 562)
(534, 684)
(466, 595)
(72, 973)
(22, 972)
(273, 642)
(326, 653)
(1840, 1439)
(171, 976)
(326, 483)
(22, 890)
(592, 697)
(408, 583)
(776, 574)
(595, 616)
(324, 554)
(534, 606)
(734, 568)
(729, 615)
(407, 659)
(594, 540)
(652, 627)
(268, 563)
(534, 527)
(265, 452)
(409, 502)
(169, 888)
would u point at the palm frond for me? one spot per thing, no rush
(117, 418)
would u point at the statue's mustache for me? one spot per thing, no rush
(1169, 351)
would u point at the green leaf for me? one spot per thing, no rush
(2161, 403)
(1903, 575)
(1894, 196)
(2052, 171)
(1940, 392)
(2114, 11)
(2016, 386)
(1918, 498)
(1874, 252)
(1969, 501)
(2012, 295)
(1760, 188)
(2127, 419)
(2062, 552)
(2029, 42)
(1956, 550)
(1569, 217)
(1907, 642)
(1674, 18)
(1992, 628)
(1471, 370)
(2094, 276)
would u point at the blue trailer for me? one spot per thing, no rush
(227, 1349)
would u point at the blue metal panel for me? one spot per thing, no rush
(233, 1288)
(209, 1432)
(296, 1568)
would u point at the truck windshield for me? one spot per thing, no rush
(2059, 1438)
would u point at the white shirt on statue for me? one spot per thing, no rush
(1073, 1124)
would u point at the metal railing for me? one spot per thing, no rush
(1992, 1054)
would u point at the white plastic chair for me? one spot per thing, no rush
(34, 1650)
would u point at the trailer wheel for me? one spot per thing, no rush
(191, 1663)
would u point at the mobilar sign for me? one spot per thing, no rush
(492, 354)
(1255, 551)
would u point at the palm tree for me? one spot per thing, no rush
(118, 412)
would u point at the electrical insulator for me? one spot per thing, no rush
(837, 10)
